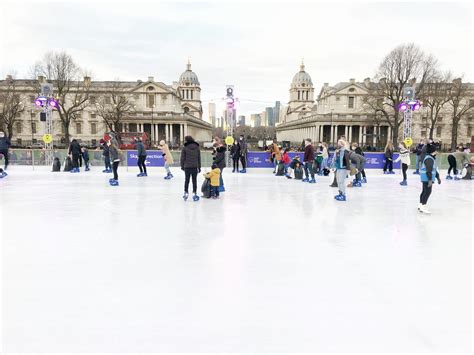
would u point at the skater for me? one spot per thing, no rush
(243, 153)
(456, 161)
(5, 145)
(404, 157)
(468, 172)
(325, 154)
(388, 153)
(275, 154)
(235, 154)
(191, 164)
(418, 149)
(141, 153)
(75, 152)
(359, 162)
(219, 160)
(341, 164)
(347, 146)
(85, 156)
(308, 161)
(168, 159)
(295, 163)
(114, 156)
(214, 175)
(428, 175)
(357, 149)
(285, 159)
(106, 155)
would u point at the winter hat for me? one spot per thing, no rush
(430, 148)
(189, 139)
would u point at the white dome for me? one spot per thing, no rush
(189, 77)
(301, 78)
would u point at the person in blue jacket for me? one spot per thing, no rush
(428, 175)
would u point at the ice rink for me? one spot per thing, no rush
(273, 266)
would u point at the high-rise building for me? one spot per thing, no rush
(212, 114)
(270, 121)
(241, 121)
(276, 112)
(255, 120)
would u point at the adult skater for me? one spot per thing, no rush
(168, 159)
(75, 152)
(275, 154)
(325, 154)
(341, 164)
(356, 148)
(191, 165)
(106, 155)
(418, 149)
(114, 156)
(243, 153)
(235, 154)
(457, 160)
(308, 160)
(468, 172)
(388, 154)
(86, 157)
(404, 157)
(141, 153)
(219, 160)
(5, 145)
(428, 175)
(359, 163)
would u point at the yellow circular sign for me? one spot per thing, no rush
(47, 138)
(229, 140)
(408, 141)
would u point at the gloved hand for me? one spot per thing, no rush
(430, 183)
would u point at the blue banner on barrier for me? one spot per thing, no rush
(153, 158)
(262, 160)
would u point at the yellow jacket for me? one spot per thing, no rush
(214, 175)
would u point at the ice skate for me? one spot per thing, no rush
(3, 174)
(288, 176)
(364, 180)
(312, 181)
(185, 196)
(195, 197)
(404, 183)
(87, 169)
(305, 180)
(357, 184)
(449, 177)
(340, 197)
(113, 182)
(243, 171)
(140, 175)
(424, 209)
(456, 178)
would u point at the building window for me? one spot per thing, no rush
(298, 95)
(19, 142)
(338, 98)
(351, 101)
(352, 90)
(78, 128)
(18, 127)
(150, 100)
(438, 131)
(33, 127)
(33, 114)
(93, 115)
(191, 94)
(136, 97)
(93, 128)
(150, 88)
(469, 131)
(186, 110)
(92, 100)
(32, 98)
(108, 100)
(471, 103)
(63, 130)
(440, 118)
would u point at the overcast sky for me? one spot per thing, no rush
(256, 46)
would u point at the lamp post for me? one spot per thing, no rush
(152, 126)
(32, 133)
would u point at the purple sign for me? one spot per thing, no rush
(153, 158)
(262, 160)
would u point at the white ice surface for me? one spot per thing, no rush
(274, 265)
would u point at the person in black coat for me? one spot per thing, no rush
(75, 152)
(235, 154)
(219, 160)
(5, 145)
(191, 165)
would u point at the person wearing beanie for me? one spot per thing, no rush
(191, 165)
(404, 157)
(106, 155)
(428, 175)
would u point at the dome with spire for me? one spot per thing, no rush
(188, 77)
(301, 78)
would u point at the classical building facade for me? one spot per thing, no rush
(167, 112)
(341, 110)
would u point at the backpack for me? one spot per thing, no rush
(299, 173)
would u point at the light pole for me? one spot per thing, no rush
(152, 126)
(32, 133)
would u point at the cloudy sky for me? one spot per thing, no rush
(257, 46)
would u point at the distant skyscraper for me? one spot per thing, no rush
(241, 121)
(270, 118)
(276, 112)
(255, 120)
(212, 114)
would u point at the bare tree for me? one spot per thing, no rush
(72, 94)
(461, 105)
(435, 96)
(12, 106)
(113, 105)
(404, 66)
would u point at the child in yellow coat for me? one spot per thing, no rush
(214, 175)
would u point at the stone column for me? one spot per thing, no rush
(171, 133)
(374, 138)
(181, 134)
(350, 134)
(331, 138)
(346, 132)
(167, 133)
(185, 129)
(363, 131)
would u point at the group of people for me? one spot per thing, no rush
(5, 145)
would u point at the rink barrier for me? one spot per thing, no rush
(36, 157)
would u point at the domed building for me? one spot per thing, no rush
(189, 91)
(301, 95)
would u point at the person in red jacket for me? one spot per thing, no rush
(285, 159)
(308, 161)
